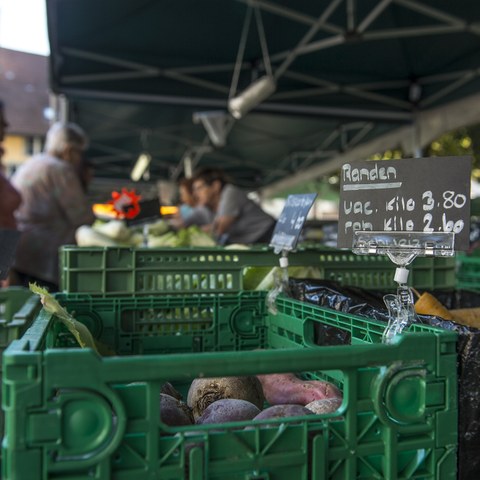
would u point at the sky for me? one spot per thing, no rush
(23, 26)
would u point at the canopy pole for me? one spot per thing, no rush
(241, 49)
(263, 43)
(59, 105)
(416, 144)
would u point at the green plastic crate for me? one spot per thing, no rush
(18, 308)
(72, 415)
(468, 273)
(116, 271)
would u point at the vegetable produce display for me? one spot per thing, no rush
(234, 399)
(222, 400)
(115, 233)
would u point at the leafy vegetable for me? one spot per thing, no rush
(253, 276)
(116, 234)
(77, 329)
(87, 236)
(115, 229)
(186, 237)
(169, 239)
(198, 238)
(158, 228)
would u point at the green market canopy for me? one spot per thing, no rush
(349, 78)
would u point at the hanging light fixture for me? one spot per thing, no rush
(253, 95)
(216, 124)
(140, 167)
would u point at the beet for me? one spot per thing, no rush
(169, 389)
(287, 388)
(283, 411)
(228, 410)
(279, 411)
(326, 405)
(204, 391)
(173, 412)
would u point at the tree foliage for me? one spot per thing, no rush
(464, 141)
(456, 143)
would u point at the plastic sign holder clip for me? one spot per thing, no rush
(280, 282)
(402, 248)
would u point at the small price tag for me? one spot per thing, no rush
(8, 246)
(290, 224)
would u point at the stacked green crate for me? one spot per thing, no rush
(117, 271)
(468, 272)
(18, 309)
(72, 414)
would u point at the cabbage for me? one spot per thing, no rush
(169, 239)
(115, 233)
(87, 236)
(186, 237)
(253, 276)
(158, 228)
(198, 238)
(115, 229)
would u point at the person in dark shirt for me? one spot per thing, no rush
(237, 219)
(190, 212)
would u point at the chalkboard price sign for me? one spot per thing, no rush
(291, 221)
(427, 195)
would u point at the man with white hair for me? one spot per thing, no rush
(53, 205)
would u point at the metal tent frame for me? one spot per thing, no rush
(361, 73)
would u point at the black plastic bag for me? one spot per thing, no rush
(370, 304)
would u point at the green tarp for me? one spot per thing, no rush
(347, 72)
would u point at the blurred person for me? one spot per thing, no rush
(237, 219)
(54, 205)
(86, 173)
(190, 212)
(187, 198)
(10, 199)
